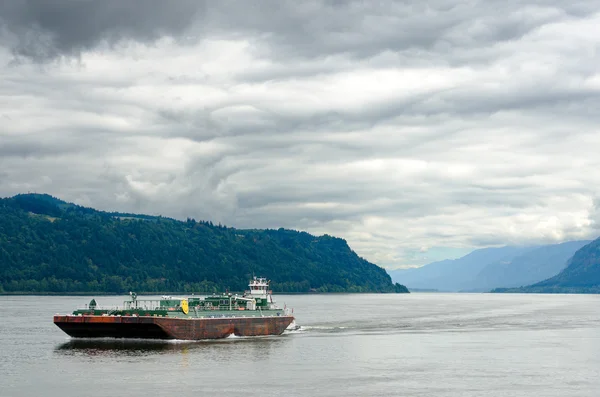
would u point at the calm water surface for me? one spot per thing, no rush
(349, 345)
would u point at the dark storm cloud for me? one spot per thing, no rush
(42, 29)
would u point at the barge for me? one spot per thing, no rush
(193, 318)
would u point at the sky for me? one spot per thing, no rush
(417, 132)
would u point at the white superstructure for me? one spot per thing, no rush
(259, 290)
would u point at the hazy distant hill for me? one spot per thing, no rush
(529, 267)
(488, 268)
(582, 274)
(455, 274)
(48, 245)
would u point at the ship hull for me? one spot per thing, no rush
(146, 327)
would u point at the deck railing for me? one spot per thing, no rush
(151, 305)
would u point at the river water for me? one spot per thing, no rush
(349, 345)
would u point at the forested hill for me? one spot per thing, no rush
(48, 245)
(582, 274)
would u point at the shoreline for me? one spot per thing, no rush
(173, 293)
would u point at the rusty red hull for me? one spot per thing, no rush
(170, 328)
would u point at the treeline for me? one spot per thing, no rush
(48, 245)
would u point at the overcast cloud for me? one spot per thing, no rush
(415, 131)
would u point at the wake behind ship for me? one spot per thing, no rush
(252, 314)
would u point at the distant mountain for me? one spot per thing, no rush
(49, 245)
(582, 274)
(455, 274)
(529, 267)
(488, 268)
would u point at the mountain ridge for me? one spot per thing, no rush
(487, 268)
(454, 275)
(529, 267)
(49, 245)
(581, 275)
